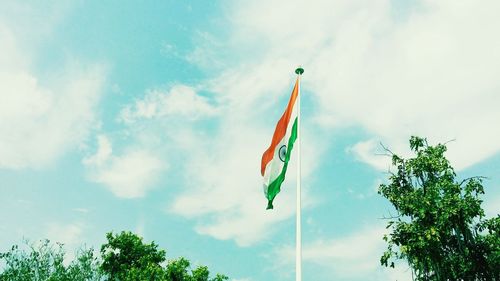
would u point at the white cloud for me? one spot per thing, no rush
(491, 208)
(392, 76)
(370, 152)
(351, 256)
(136, 170)
(132, 174)
(129, 175)
(70, 235)
(39, 19)
(104, 151)
(81, 210)
(140, 227)
(432, 72)
(225, 190)
(40, 119)
(179, 101)
(224, 186)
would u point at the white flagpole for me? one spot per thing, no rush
(298, 241)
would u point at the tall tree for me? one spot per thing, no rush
(45, 261)
(125, 254)
(440, 228)
(124, 257)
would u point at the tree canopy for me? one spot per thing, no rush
(440, 228)
(45, 261)
(124, 257)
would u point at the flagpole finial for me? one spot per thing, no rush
(299, 70)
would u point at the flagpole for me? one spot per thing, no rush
(298, 241)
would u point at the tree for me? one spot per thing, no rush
(178, 270)
(45, 261)
(440, 229)
(125, 254)
(124, 257)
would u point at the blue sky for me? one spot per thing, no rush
(152, 117)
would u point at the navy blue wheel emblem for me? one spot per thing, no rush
(282, 153)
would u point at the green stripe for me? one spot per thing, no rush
(274, 187)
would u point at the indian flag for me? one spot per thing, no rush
(275, 158)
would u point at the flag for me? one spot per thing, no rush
(275, 158)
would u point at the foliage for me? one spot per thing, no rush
(440, 228)
(45, 261)
(178, 270)
(126, 254)
(124, 257)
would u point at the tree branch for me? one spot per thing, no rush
(390, 216)
(390, 153)
(475, 177)
(447, 142)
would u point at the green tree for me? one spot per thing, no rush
(219, 277)
(201, 273)
(84, 267)
(440, 229)
(45, 261)
(125, 257)
(178, 270)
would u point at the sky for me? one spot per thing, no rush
(152, 116)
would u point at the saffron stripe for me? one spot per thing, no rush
(280, 130)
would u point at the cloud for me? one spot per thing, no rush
(224, 190)
(41, 119)
(352, 256)
(491, 206)
(160, 123)
(39, 20)
(223, 183)
(392, 76)
(180, 101)
(218, 142)
(233, 208)
(128, 175)
(103, 153)
(81, 210)
(370, 152)
(430, 71)
(70, 235)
